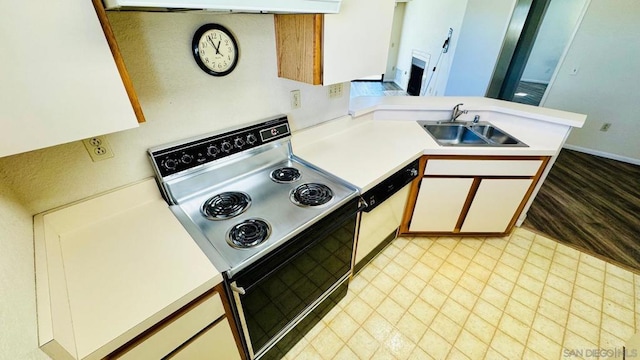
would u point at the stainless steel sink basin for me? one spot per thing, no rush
(494, 134)
(469, 134)
(454, 134)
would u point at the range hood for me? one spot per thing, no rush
(253, 6)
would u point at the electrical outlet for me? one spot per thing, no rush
(605, 127)
(335, 91)
(98, 148)
(295, 99)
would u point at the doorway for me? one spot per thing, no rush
(539, 33)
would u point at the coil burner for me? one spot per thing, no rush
(285, 175)
(249, 233)
(226, 205)
(311, 194)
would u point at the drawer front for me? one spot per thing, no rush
(177, 331)
(482, 167)
(214, 343)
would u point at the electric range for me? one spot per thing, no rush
(266, 219)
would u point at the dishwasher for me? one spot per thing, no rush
(380, 220)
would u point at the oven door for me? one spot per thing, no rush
(276, 292)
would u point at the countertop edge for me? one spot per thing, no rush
(364, 105)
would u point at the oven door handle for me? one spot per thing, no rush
(239, 289)
(363, 205)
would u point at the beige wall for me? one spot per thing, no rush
(425, 28)
(179, 100)
(18, 336)
(605, 50)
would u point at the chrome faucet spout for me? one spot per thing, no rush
(456, 112)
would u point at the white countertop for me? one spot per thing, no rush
(382, 136)
(361, 152)
(110, 267)
(366, 104)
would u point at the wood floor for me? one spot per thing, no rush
(591, 203)
(533, 91)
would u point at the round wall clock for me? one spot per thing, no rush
(215, 49)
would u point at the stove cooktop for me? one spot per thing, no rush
(244, 205)
(272, 203)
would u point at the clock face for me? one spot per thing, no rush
(215, 50)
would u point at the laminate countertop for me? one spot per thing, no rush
(109, 268)
(382, 135)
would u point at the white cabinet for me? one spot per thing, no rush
(214, 343)
(439, 204)
(60, 82)
(293, 6)
(495, 204)
(201, 330)
(335, 48)
(177, 331)
(471, 195)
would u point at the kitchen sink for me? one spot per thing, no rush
(454, 134)
(469, 134)
(494, 134)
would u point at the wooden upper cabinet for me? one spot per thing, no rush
(62, 76)
(324, 49)
(299, 47)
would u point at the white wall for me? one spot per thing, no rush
(394, 44)
(483, 29)
(555, 32)
(18, 334)
(605, 51)
(425, 27)
(179, 100)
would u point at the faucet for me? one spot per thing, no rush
(457, 112)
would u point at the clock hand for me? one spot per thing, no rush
(218, 48)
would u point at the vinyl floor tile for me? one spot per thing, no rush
(523, 296)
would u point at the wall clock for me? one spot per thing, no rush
(215, 49)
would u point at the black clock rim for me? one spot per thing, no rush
(196, 41)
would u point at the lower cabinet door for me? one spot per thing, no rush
(439, 204)
(216, 342)
(495, 204)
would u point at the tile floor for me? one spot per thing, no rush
(518, 297)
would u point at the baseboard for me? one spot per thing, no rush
(603, 154)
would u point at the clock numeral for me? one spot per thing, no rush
(206, 60)
(203, 44)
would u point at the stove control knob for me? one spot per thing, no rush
(239, 143)
(186, 159)
(212, 150)
(170, 164)
(251, 139)
(226, 146)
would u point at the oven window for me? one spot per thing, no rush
(304, 273)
